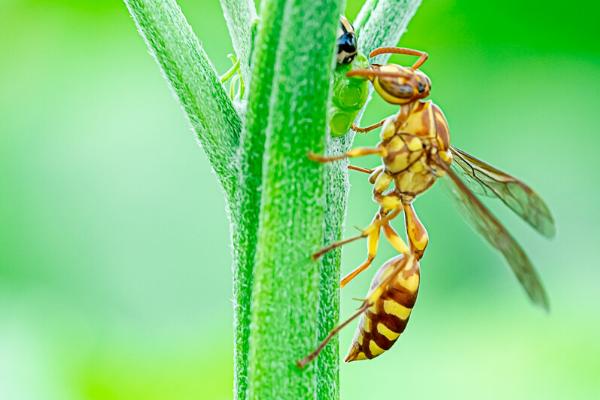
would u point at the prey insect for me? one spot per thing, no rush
(415, 151)
(349, 93)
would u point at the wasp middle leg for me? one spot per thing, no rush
(358, 152)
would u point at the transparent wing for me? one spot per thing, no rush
(494, 232)
(486, 180)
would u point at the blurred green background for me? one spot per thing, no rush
(115, 267)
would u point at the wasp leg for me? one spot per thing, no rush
(375, 174)
(364, 234)
(360, 169)
(337, 244)
(302, 363)
(381, 182)
(417, 234)
(358, 152)
(372, 234)
(394, 239)
(373, 244)
(369, 128)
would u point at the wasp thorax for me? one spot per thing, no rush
(400, 85)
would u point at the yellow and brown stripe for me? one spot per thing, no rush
(386, 318)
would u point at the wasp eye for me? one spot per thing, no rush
(420, 87)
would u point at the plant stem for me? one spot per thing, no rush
(239, 16)
(286, 280)
(194, 80)
(381, 23)
(248, 199)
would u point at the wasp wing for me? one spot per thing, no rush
(496, 234)
(486, 180)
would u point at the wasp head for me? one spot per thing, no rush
(399, 85)
(396, 84)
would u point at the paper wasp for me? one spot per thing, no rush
(415, 151)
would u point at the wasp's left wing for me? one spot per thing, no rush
(486, 180)
(495, 233)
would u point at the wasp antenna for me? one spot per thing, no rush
(369, 74)
(365, 73)
(402, 50)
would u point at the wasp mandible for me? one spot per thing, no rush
(415, 151)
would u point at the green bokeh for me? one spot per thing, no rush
(115, 275)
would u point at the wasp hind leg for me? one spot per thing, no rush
(394, 239)
(335, 245)
(417, 234)
(302, 363)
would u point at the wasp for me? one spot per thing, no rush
(415, 151)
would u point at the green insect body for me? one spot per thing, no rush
(349, 96)
(349, 93)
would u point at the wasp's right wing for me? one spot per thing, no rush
(486, 180)
(496, 234)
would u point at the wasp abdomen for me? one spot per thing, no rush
(392, 300)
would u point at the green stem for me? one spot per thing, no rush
(194, 80)
(248, 199)
(381, 23)
(286, 280)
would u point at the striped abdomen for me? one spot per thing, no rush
(391, 305)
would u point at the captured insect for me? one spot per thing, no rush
(349, 93)
(415, 151)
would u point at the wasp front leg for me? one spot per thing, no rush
(369, 128)
(417, 234)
